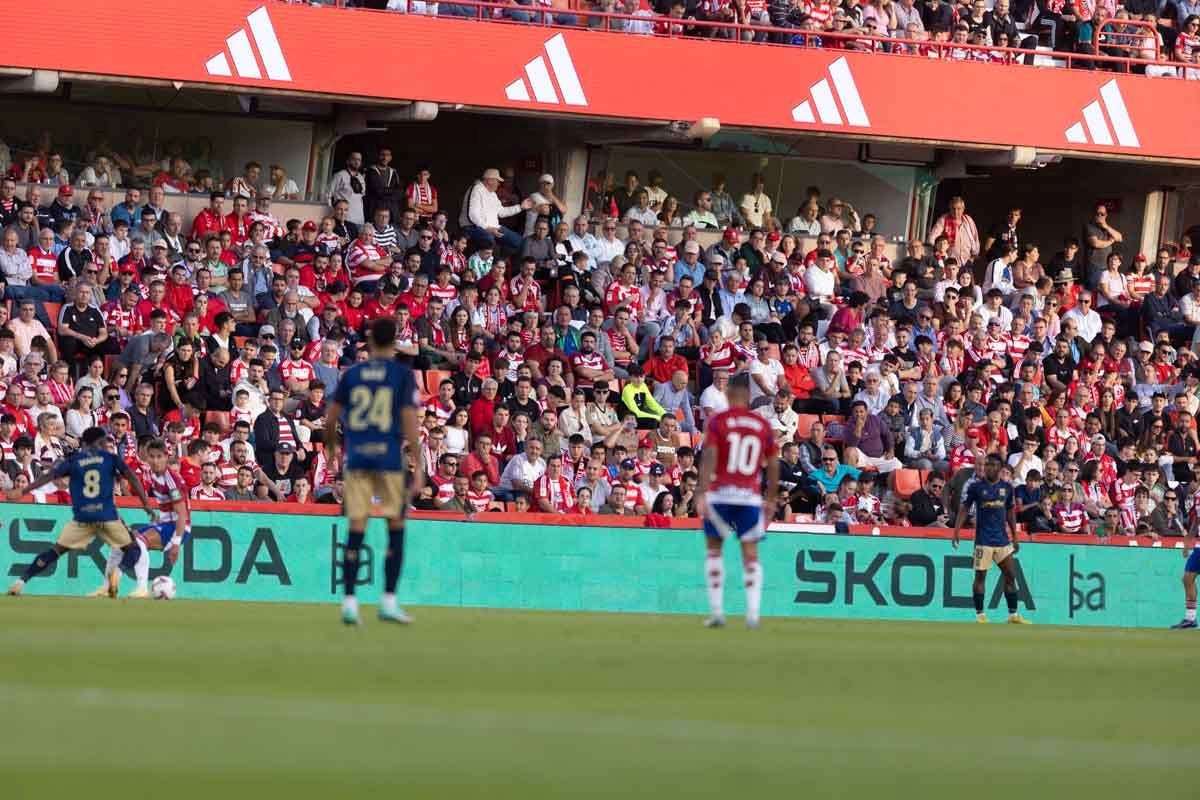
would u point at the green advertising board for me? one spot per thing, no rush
(295, 558)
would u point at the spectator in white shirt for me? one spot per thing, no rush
(608, 246)
(582, 240)
(784, 420)
(482, 210)
(713, 399)
(522, 470)
(641, 210)
(1086, 319)
(350, 184)
(765, 373)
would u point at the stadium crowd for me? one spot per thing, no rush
(568, 370)
(960, 30)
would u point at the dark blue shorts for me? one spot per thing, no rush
(1193, 562)
(724, 520)
(165, 531)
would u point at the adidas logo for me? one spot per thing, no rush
(1097, 128)
(241, 48)
(537, 76)
(827, 107)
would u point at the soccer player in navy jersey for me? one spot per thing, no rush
(739, 450)
(376, 406)
(93, 471)
(1191, 552)
(995, 517)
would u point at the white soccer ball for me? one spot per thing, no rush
(163, 588)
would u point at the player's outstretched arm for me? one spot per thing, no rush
(708, 463)
(272, 487)
(47, 477)
(332, 414)
(771, 495)
(183, 524)
(958, 523)
(135, 483)
(412, 434)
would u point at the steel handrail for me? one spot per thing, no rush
(543, 15)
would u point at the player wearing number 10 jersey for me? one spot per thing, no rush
(739, 449)
(375, 402)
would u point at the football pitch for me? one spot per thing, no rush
(102, 699)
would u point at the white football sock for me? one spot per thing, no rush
(753, 577)
(141, 569)
(350, 603)
(387, 601)
(115, 554)
(714, 579)
(1189, 611)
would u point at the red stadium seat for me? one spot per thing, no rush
(907, 482)
(52, 311)
(221, 418)
(433, 379)
(806, 421)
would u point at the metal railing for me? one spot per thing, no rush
(1110, 37)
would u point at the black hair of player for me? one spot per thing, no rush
(383, 333)
(93, 436)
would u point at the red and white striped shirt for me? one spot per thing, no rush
(63, 394)
(532, 298)
(1017, 345)
(165, 491)
(296, 371)
(357, 257)
(619, 294)
(1071, 518)
(591, 360)
(1058, 437)
(229, 472)
(117, 318)
(285, 431)
(720, 358)
(480, 501)
(202, 493)
(421, 195)
(557, 491)
(44, 264)
(237, 371)
(442, 412)
(447, 294)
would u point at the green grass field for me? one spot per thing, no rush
(105, 699)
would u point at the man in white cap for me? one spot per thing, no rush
(545, 204)
(482, 210)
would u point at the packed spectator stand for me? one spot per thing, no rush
(567, 370)
(1153, 39)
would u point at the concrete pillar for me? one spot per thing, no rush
(1152, 222)
(572, 178)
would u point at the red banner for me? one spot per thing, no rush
(530, 67)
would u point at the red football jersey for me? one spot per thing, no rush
(743, 443)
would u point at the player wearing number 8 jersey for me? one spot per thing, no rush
(376, 407)
(739, 449)
(92, 471)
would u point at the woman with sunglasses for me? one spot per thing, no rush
(118, 378)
